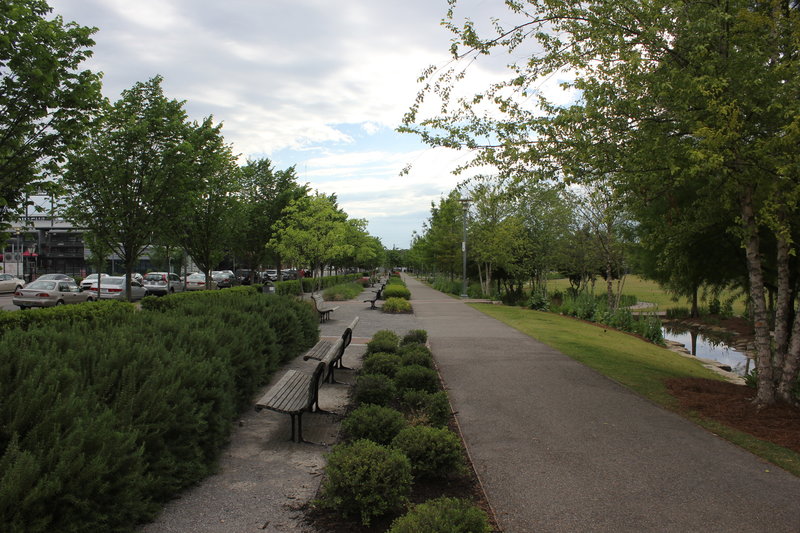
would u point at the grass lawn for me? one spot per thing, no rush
(647, 291)
(637, 364)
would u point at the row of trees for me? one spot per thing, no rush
(518, 233)
(687, 115)
(137, 172)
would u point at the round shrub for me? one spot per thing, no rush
(417, 377)
(415, 336)
(376, 389)
(381, 363)
(384, 341)
(366, 479)
(443, 515)
(374, 422)
(416, 354)
(396, 305)
(433, 452)
(427, 408)
(396, 291)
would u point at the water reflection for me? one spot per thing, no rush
(709, 347)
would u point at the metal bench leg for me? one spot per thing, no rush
(292, 417)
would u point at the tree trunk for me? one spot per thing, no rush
(791, 365)
(695, 307)
(766, 387)
(782, 316)
(609, 284)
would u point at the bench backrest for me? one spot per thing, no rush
(316, 381)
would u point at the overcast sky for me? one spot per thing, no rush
(319, 84)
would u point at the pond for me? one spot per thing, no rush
(702, 345)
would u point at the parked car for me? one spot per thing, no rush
(269, 275)
(9, 283)
(87, 281)
(224, 278)
(161, 283)
(56, 277)
(289, 274)
(113, 288)
(245, 276)
(197, 282)
(49, 293)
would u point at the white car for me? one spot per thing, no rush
(113, 288)
(87, 281)
(162, 283)
(9, 283)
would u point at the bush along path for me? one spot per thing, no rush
(400, 467)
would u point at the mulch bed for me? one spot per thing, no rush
(733, 406)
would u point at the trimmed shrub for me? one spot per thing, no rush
(342, 291)
(396, 305)
(366, 480)
(443, 515)
(377, 389)
(417, 377)
(374, 422)
(381, 363)
(426, 407)
(384, 341)
(396, 291)
(415, 336)
(416, 354)
(433, 452)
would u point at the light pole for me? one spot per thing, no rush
(465, 207)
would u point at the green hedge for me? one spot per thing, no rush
(102, 421)
(296, 287)
(105, 310)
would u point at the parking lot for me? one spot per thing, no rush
(5, 302)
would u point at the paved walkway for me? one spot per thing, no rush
(557, 446)
(561, 448)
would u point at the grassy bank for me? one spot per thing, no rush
(639, 365)
(647, 291)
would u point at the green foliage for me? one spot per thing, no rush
(366, 480)
(343, 291)
(384, 341)
(433, 452)
(396, 305)
(416, 354)
(539, 301)
(426, 407)
(103, 419)
(48, 103)
(419, 336)
(377, 389)
(417, 377)
(292, 288)
(102, 311)
(446, 285)
(374, 422)
(396, 291)
(678, 312)
(381, 363)
(443, 515)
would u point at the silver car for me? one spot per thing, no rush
(113, 288)
(161, 283)
(49, 293)
(9, 283)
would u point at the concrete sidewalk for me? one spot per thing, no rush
(560, 447)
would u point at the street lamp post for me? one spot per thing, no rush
(465, 207)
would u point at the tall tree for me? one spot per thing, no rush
(129, 177)
(46, 101)
(206, 215)
(668, 92)
(313, 230)
(264, 193)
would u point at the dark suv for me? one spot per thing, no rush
(223, 278)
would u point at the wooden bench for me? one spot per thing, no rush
(323, 311)
(295, 393)
(333, 356)
(373, 300)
